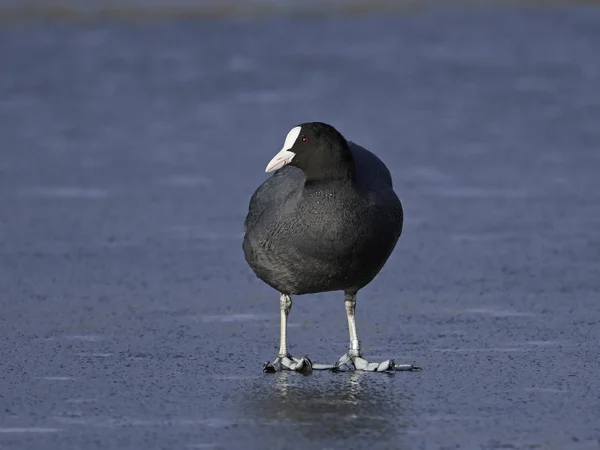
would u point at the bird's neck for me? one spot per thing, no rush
(335, 166)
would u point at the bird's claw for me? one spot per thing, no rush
(350, 362)
(302, 365)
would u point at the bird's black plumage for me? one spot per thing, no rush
(327, 221)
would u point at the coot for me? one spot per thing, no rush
(326, 220)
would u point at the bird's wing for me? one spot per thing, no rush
(369, 166)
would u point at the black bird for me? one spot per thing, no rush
(327, 220)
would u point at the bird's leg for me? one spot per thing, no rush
(353, 359)
(284, 360)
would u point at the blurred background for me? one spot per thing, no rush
(132, 135)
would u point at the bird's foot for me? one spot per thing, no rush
(357, 362)
(303, 365)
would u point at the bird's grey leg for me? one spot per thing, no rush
(353, 359)
(284, 360)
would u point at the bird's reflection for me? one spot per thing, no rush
(332, 406)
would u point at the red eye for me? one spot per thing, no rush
(305, 139)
